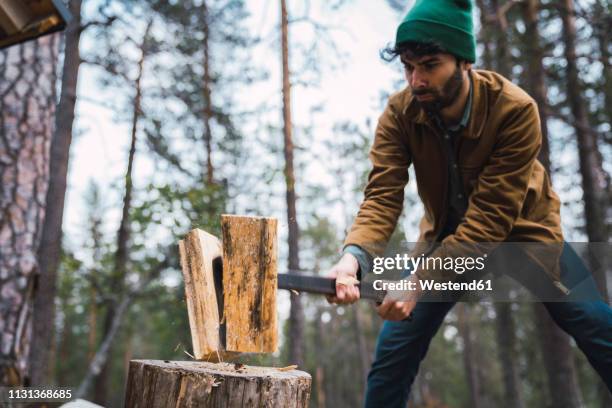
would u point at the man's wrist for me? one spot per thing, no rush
(363, 258)
(351, 259)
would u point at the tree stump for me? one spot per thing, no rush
(161, 384)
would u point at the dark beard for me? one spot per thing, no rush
(449, 94)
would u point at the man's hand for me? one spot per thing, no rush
(345, 273)
(398, 305)
(394, 310)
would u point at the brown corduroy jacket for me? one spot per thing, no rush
(510, 195)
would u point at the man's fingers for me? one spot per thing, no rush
(346, 294)
(391, 310)
(340, 292)
(383, 309)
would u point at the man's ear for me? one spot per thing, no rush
(466, 65)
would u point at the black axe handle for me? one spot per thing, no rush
(325, 286)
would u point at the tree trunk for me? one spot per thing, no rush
(504, 322)
(535, 75)
(296, 315)
(601, 29)
(320, 367)
(27, 108)
(506, 343)
(469, 362)
(123, 234)
(485, 35)
(93, 324)
(595, 181)
(51, 241)
(208, 110)
(364, 356)
(165, 384)
(555, 344)
(562, 380)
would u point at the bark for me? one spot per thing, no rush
(181, 384)
(208, 110)
(296, 315)
(595, 180)
(123, 234)
(51, 241)
(27, 108)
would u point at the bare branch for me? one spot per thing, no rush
(98, 23)
(500, 14)
(108, 68)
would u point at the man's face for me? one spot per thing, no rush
(435, 80)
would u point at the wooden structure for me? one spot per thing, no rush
(162, 384)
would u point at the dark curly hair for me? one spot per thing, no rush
(414, 49)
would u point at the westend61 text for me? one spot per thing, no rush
(429, 285)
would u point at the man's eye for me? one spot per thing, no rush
(430, 66)
(408, 67)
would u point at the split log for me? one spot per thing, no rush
(161, 384)
(198, 252)
(250, 283)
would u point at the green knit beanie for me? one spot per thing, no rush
(447, 23)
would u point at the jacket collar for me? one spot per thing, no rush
(478, 113)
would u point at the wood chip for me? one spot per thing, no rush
(288, 368)
(295, 292)
(209, 383)
(189, 354)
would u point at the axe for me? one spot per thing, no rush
(231, 287)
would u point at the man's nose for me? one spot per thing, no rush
(417, 80)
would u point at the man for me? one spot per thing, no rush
(473, 138)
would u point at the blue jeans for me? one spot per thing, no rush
(402, 345)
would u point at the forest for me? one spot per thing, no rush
(144, 119)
